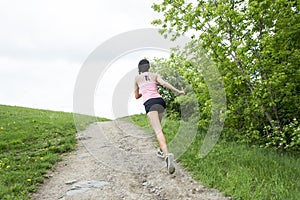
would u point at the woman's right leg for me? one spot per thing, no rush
(160, 115)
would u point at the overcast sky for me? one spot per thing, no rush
(43, 45)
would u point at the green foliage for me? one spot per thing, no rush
(188, 77)
(31, 142)
(256, 47)
(161, 67)
(287, 138)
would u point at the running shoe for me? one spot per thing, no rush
(160, 154)
(170, 163)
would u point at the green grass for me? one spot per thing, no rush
(237, 170)
(31, 142)
(140, 120)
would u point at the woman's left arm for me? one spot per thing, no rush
(168, 85)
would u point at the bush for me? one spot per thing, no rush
(285, 138)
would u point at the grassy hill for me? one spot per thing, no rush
(31, 142)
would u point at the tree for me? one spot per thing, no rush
(255, 45)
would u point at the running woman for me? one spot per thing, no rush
(146, 87)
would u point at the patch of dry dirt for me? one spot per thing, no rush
(116, 160)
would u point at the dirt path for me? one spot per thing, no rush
(116, 160)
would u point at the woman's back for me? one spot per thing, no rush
(147, 85)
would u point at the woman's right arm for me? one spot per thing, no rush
(137, 91)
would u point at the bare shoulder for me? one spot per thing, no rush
(154, 76)
(138, 79)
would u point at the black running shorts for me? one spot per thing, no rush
(155, 104)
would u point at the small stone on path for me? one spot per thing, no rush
(85, 186)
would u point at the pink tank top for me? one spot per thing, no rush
(148, 89)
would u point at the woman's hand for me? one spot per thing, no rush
(181, 92)
(137, 96)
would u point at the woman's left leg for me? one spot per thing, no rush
(155, 121)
